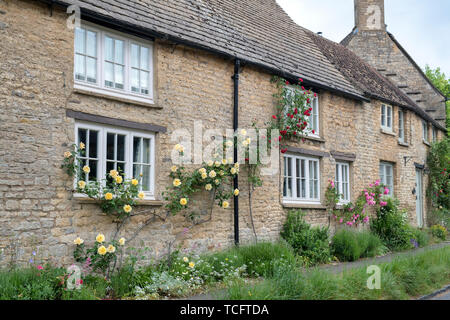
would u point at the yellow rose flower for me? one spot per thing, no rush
(82, 145)
(221, 172)
(67, 154)
(100, 238)
(122, 241)
(233, 170)
(179, 148)
(229, 143)
(111, 249)
(127, 208)
(245, 143)
(236, 192)
(244, 132)
(212, 174)
(210, 163)
(174, 168)
(217, 163)
(141, 195)
(176, 182)
(225, 204)
(217, 181)
(236, 165)
(102, 250)
(224, 161)
(81, 184)
(78, 241)
(204, 175)
(202, 170)
(248, 140)
(134, 182)
(185, 259)
(208, 187)
(183, 201)
(119, 179)
(113, 173)
(108, 196)
(191, 264)
(86, 169)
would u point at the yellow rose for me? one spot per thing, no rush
(210, 163)
(224, 161)
(248, 140)
(141, 195)
(86, 169)
(191, 264)
(208, 187)
(183, 201)
(244, 132)
(233, 170)
(221, 172)
(179, 148)
(245, 143)
(119, 179)
(236, 192)
(185, 259)
(204, 175)
(81, 184)
(217, 163)
(108, 196)
(82, 145)
(100, 238)
(111, 249)
(113, 173)
(236, 165)
(174, 168)
(127, 208)
(202, 170)
(212, 174)
(225, 204)
(134, 182)
(217, 181)
(122, 241)
(176, 182)
(229, 143)
(102, 250)
(78, 241)
(67, 154)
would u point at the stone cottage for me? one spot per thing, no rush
(135, 71)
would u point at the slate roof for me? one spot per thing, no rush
(257, 32)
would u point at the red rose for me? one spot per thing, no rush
(283, 150)
(313, 132)
(308, 100)
(301, 80)
(287, 128)
(295, 111)
(295, 133)
(303, 88)
(292, 116)
(287, 82)
(315, 94)
(274, 116)
(298, 125)
(279, 138)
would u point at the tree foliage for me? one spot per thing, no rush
(440, 81)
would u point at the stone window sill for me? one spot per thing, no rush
(86, 200)
(403, 144)
(300, 205)
(426, 143)
(315, 138)
(388, 132)
(88, 92)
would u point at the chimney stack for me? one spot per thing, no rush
(369, 15)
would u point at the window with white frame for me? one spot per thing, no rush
(434, 133)
(387, 176)
(342, 181)
(401, 126)
(425, 131)
(131, 152)
(113, 63)
(301, 181)
(313, 119)
(386, 117)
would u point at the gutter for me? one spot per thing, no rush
(125, 27)
(235, 77)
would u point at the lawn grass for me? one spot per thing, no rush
(402, 278)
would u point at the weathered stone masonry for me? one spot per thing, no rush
(37, 207)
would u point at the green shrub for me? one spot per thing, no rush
(310, 243)
(392, 227)
(422, 238)
(439, 232)
(350, 245)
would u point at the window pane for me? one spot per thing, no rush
(109, 49)
(134, 56)
(109, 74)
(119, 76)
(82, 136)
(79, 40)
(91, 45)
(146, 151)
(137, 149)
(120, 148)
(303, 176)
(383, 114)
(311, 182)
(80, 73)
(93, 173)
(118, 53)
(145, 58)
(110, 146)
(93, 143)
(91, 70)
(134, 78)
(146, 178)
(136, 171)
(144, 82)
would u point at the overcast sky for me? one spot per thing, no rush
(421, 27)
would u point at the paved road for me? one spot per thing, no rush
(442, 296)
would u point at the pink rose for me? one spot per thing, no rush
(386, 191)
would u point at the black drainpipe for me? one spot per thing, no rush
(235, 77)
